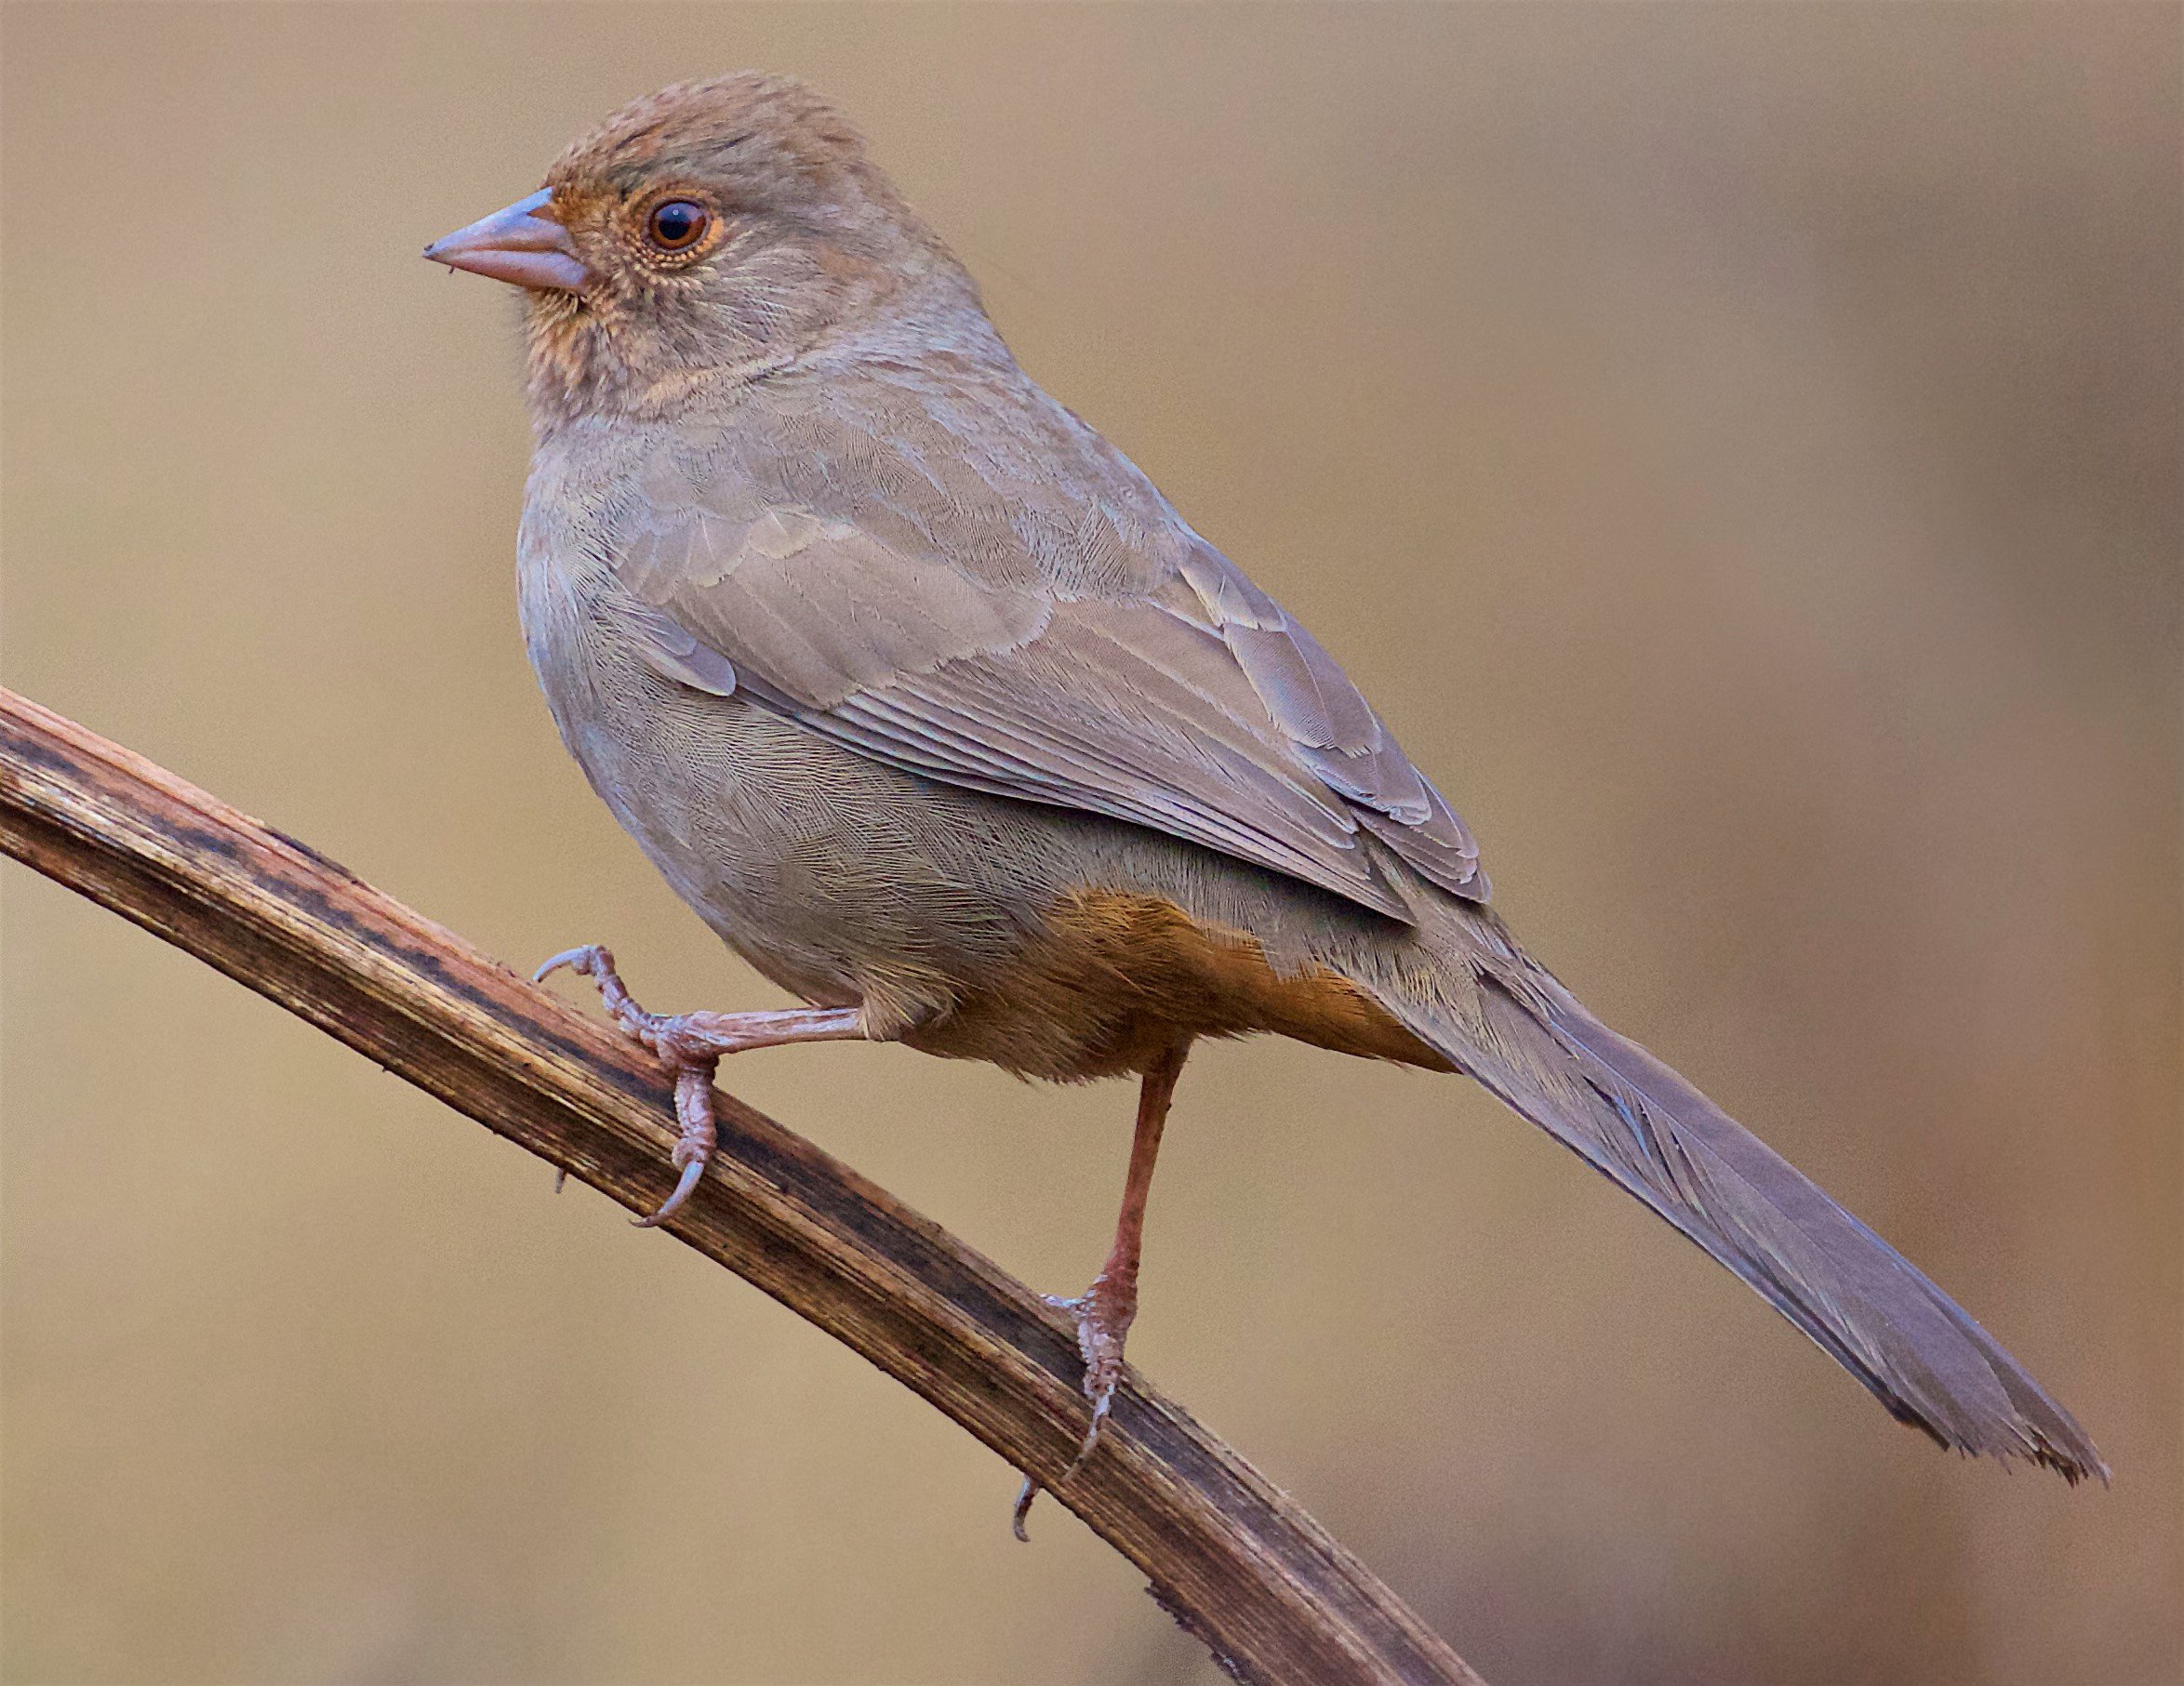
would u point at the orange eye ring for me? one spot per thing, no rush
(676, 225)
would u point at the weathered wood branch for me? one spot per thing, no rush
(1231, 1557)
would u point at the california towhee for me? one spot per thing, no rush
(939, 713)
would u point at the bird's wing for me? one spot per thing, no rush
(1017, 611)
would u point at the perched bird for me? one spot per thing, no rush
(931, 705)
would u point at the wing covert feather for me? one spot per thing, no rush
(995, 598)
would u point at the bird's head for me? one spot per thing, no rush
(707, 228)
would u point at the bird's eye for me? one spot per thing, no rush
(677, 225)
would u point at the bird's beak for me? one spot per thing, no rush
(523, 243)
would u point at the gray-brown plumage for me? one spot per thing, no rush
(937, 713)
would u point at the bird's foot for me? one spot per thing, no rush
(1103, 1314)
(678, 1038)
(692, 1045)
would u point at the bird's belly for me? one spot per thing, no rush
(780, 841)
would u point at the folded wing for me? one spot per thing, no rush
(1025, 618)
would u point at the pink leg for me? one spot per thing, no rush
(1105, 1310)
(694, 1044)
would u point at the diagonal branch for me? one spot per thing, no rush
(1233, 1558)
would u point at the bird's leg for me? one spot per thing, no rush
(1105, 1310)
(694, 1044)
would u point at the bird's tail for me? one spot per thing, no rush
(1482, 1002)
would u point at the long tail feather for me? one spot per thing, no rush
(1508, 1023)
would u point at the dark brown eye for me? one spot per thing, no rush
(677, 225)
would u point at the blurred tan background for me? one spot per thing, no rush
(1739, 450)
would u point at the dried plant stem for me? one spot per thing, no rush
(1228, 1554)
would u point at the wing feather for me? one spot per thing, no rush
(941, 588)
